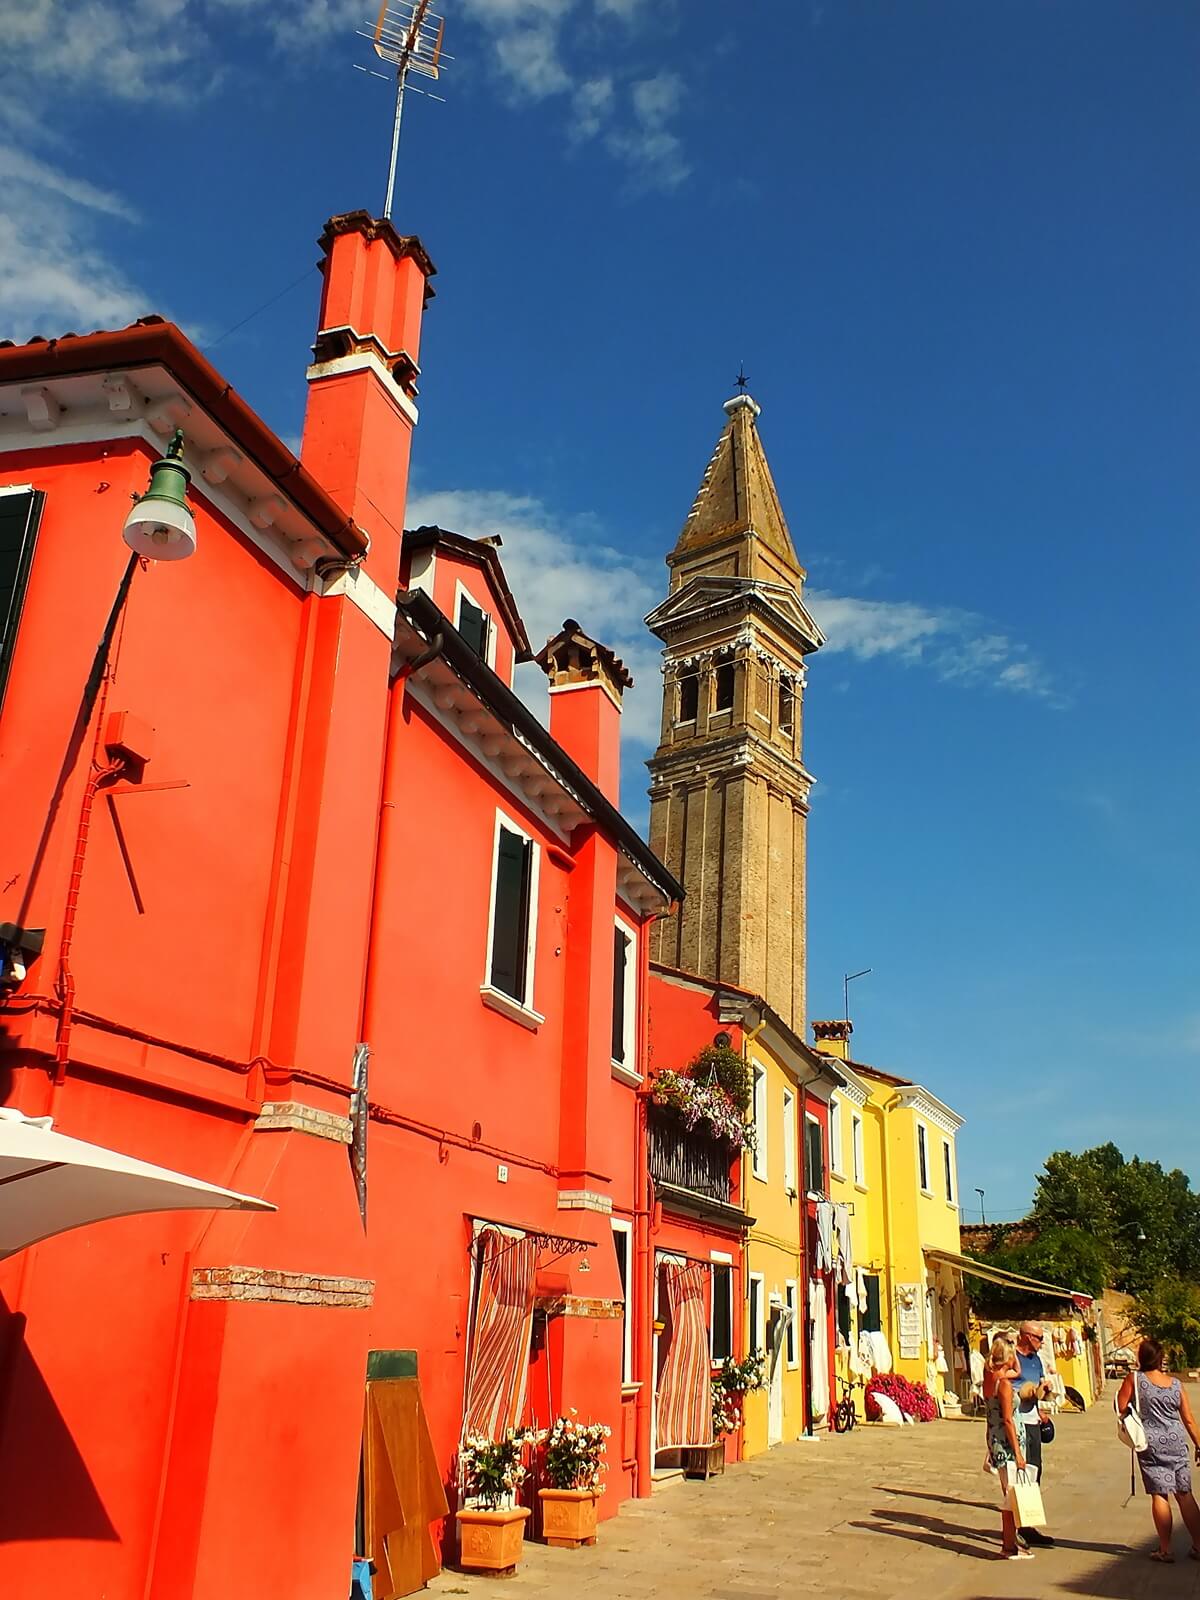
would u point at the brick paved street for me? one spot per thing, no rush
(886, 1512)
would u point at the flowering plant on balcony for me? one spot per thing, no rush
(574, 1454)
(492, 1470)
(697, 1101)
(914, 1399)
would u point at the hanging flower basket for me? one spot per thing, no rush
(698, 1102)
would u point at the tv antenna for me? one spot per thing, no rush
(408, 36)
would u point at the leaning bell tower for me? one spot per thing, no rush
(729, 792)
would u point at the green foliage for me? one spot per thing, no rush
(1170, 1312)
(727, 1067)
(1065, 1257)
(1112, 1201)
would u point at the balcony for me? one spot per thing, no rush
(691, 1168)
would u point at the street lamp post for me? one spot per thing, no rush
(982, 1212)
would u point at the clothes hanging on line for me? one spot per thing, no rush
(824, 1236)
(845, 1255)
(860, 1290)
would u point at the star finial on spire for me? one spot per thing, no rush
(741, 380)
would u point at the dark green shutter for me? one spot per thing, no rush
(722, 1310)
(510, 927)
(871, 1322)
(19, 517)
(814, 1175)
(472, 624)
(620, 957)
(843, 1310)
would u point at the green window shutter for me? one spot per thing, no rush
(843, 1310)
(510, 926)
(473, 625)
(20, 514)
(620, 957)
(815, 1171)
(871, 1321)
(722, 1310)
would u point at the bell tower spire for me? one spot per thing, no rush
(729, 791)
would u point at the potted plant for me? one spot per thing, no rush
(574, 1466)
(491, 1526)
(729, 1389)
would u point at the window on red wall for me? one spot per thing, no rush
(20, 512)
(511, 919)
(624, 998)
(722, 1310)
(814, 1156)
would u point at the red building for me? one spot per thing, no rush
(325, 915)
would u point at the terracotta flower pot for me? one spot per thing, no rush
(490, 1541)
(568, 1517)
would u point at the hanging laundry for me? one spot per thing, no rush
(860, 1289)
(824, 1236)
(845, 1255)
(819, 1349)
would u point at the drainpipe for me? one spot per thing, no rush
(643, 1252)
(748, 1038)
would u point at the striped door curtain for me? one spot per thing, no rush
(685, 1386)
(501, 1337)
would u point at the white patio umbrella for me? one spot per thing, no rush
(50, 1183)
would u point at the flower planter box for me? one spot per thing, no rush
(707, 1462)
(569, 1517)
(490, 1541)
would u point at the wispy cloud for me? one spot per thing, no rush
(956, 646)
(561, 567)
(53, 274)
(544, 48)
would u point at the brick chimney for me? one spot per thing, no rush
(587, 682)
(833, 1039)
(362, 384)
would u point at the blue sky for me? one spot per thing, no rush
(955, 246)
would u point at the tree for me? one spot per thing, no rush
(1065, 1257)
(1147, 1220)
(1170, 1313)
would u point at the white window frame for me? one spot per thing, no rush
(818, 1190)
(627, 1070)
(791, 1336)
(496, 998)
(756, 1336)
(461, 593)
(923, 1152)
(836, 1152)
(949, 1174)
(719, 1258)
(758, 1157)
(789, 1141)
(857, 1155)
(619, 1225)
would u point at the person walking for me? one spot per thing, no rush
(1033, 1389)
(1006, 1447)
(1166, 1468)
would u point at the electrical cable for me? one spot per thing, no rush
(266, 306)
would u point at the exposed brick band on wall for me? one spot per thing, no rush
(281, 1288)
(574, 1305)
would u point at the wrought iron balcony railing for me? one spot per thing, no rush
(691, 1159)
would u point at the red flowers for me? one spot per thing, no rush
(914, 1399)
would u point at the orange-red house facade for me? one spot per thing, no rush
(272, 835)
(297, 896)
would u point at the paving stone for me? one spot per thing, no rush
(881, 1514)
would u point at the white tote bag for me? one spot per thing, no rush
(1130, 1430)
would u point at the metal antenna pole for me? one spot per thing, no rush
(408, 36)
(401, 75)
(847, 980)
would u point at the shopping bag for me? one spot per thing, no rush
(1025, 1500)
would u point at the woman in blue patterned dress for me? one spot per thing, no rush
(1005, 1445)
(1166, 1460)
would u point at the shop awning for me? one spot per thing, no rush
(1009, 1280)
(50, 1183)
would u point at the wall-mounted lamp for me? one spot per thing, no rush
(161, 526)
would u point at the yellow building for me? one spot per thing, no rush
(783, 1179)
(893, 1160)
